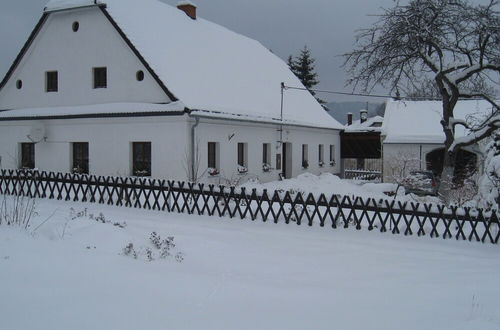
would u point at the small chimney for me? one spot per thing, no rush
(349, 119)
(363, 116)
(188, 7)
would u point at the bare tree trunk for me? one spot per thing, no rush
(446, 184)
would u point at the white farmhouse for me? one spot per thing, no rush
(137, 87)
(413, 138)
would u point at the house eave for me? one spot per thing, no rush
(98, 115)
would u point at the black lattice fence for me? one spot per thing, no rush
(407, 218)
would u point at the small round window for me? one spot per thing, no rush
(140, 75)
(76, 26)
(19, 84)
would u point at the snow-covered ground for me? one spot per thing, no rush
(70, 274)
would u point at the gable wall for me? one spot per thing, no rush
(73, 55)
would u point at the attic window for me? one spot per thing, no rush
(51, 81)
(140, 75)
(100, 77)
(19, 84)
(75, 26)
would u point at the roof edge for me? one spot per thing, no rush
(136, 52)
(23, 51)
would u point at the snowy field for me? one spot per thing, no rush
(71, 273)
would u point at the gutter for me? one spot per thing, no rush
(268, 122)
(192, 147)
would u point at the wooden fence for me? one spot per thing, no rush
(407, 218)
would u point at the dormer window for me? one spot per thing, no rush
(19, 84)
(51, 81)
(75, 26)
(100, 77)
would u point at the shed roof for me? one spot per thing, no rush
(207, 66)
(420, 121)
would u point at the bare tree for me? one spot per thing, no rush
(452, 42)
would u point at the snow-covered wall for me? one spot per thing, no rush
(74, 55)
(412, 156)
(229, 134)
(110, 142)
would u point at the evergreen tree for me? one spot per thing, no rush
(303, 67)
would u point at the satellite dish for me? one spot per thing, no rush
(37, 132)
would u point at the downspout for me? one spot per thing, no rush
(192, 148)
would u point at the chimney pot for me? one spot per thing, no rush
(363, 116)
(188, 7)
(349, 119)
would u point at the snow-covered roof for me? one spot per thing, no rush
(54, 5)
(94, 110)
(209, 67)
(373, 124)
(420, 121)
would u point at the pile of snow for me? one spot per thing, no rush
(71, 273)
(330, 184)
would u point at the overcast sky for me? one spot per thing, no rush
(327, 27)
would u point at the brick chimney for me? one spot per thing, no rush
(349, 119)
(188, 7)
(363, 116)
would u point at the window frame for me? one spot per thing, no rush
(80, 157)
(27, 160)
(97, 83)
(51, 81)
(266, 153)
(213, 155)
(142, 158)
(242, 154)
(305, 155)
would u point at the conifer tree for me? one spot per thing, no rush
(303, 67)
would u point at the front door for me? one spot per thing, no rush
(287, 160)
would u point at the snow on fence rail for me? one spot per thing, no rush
(362, 174)
(398, 217)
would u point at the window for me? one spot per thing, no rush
(266, 153)
(100, 77)
(139, 75)
(305, 156)
(332, 154)
(213, 155)
(75, 26)
(141, 158)
(278, 161)
(80, 158)
(51, 83)
(19, 84)
(28, 155)
(242, 154)
(320, 154)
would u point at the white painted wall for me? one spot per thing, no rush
(395, 153)
(74, 55)
(110, 146)
(256, 135)
(109, 140)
